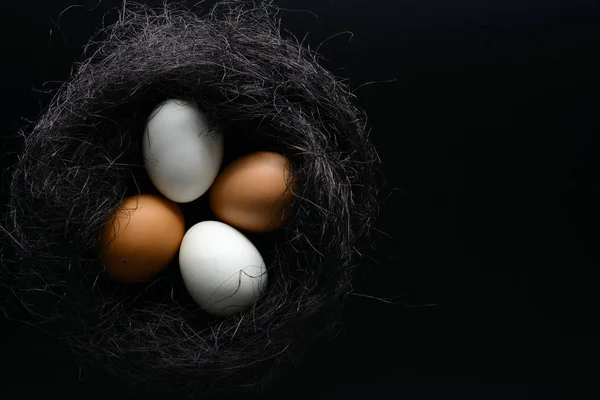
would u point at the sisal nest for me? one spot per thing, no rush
(267, 92)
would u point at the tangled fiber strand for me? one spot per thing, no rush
(78, 162)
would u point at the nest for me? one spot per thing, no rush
(82, 157)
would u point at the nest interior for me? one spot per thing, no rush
(266, 91)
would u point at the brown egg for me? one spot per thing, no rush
(142, 238)
(254, 193)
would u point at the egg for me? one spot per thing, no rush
(141, 238)
(182, 153)
(222, 270)
(254, 193)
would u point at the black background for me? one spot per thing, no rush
(488, 130)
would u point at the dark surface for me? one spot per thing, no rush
(489, 131)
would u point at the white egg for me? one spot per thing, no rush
(222, 270)
(182, 154)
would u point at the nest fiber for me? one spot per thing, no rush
(82, 158)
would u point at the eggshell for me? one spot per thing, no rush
(182, 154)
(222, 270)
(142, 237)
(254, 193)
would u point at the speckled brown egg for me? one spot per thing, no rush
(254, 193)
(142, 237)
